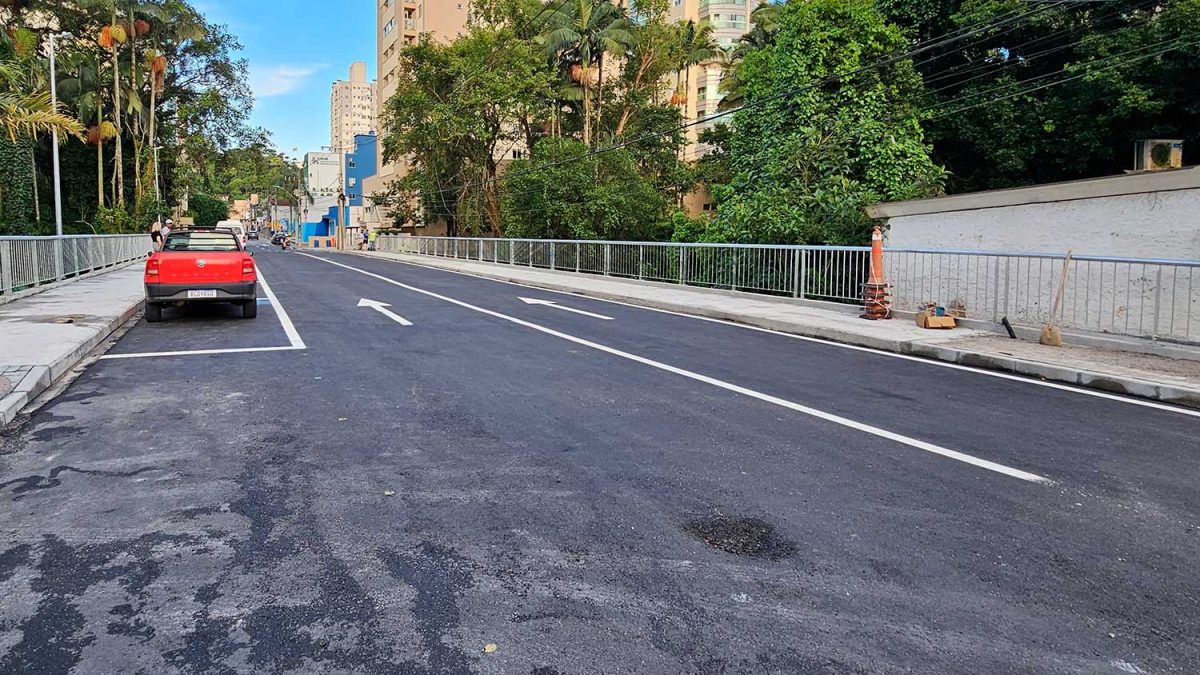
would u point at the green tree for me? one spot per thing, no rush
(1060, 94)
(821, 137)
(579, 35)
(558, 195)
(458, 112)
(208, 211)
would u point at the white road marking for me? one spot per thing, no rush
(198, 352)
(879, 352)
(288, 327)
(555, 305)
(382, 308)
(295, 343)
(820, 414)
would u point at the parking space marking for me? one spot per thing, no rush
(294, 341)
(288, 327)
(767, 398)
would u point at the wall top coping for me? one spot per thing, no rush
(1092, 188)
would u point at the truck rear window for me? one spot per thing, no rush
(201, 241)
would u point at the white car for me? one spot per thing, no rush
(237, 227)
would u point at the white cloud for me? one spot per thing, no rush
(281, 79)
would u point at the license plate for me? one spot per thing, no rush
(197, 295)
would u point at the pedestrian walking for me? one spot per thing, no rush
(366, 237)
(371, 240)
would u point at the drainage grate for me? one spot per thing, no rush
(749, 537)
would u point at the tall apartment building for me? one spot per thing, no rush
(400, 23)
(351, 108)
(730, 20)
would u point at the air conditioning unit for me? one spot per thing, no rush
(1156, 154)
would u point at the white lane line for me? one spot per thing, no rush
(199, 352)
(555, 305)
(894, 355)
(288, 327)
(820, 414)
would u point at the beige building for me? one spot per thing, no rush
(400, 23)
(351, 108)
(701, 88)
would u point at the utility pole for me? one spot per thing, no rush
(58, 223)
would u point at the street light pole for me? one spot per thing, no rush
(58, 223)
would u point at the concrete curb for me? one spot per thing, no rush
(1116, 384)
(41, 377)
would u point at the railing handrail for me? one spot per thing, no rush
(50, 237)
(1179, 262)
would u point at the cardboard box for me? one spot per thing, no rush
(930, 319)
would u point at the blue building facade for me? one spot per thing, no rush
(359, 166)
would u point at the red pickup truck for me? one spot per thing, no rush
(201, 266)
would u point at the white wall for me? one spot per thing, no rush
(1142, 225)
(1136, 216)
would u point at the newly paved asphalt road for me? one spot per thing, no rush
(504, 487)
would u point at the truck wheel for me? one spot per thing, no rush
(250, 309)
(153, 312)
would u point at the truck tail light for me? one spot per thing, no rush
(152, 266)
(247, 267)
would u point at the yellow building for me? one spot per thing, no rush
(400, 23)
(351, 109)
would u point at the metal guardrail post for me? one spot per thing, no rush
(576, 256)
(796, 271)
(1157, 297)
(683, 249)
(641, 259)
(58, 259)
(552, 247)
(37, 277)
(607, 257)
(6, 276)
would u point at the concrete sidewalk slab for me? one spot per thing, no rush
(45, 335)
(1155, 377)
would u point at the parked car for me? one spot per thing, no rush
(237, 228)
(252, 233)
(201, 266)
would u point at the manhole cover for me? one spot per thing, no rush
(749, 537)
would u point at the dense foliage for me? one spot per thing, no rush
(207, 211)
(554, 83)
(132, 77)
(812, 148)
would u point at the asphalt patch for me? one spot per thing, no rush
(747, 537)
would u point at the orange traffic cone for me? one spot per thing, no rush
(876, 300)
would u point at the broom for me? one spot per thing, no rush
(1051, 333)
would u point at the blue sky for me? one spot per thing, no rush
(296, 49)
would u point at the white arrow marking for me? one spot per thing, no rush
(382, 308)
(555, 305)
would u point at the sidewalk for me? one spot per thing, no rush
(1155, 377)
(45, 335)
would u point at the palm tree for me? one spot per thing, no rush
(25, 113)
(765, 20)
(580, 33)
(696, 45)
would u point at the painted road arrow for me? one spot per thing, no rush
(555, 305)
(382, 308)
